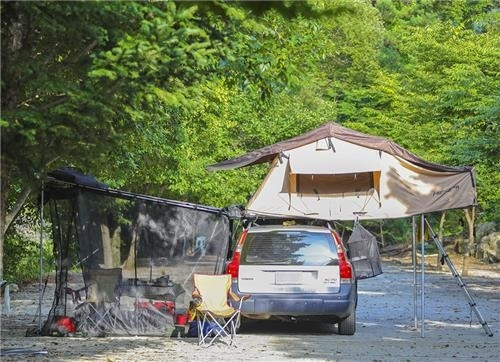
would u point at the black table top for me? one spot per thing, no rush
(151, 290)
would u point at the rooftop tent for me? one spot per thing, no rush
(335, 173)
(125, 262)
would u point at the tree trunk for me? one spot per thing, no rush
(116, 242)
(382, 239)
(106, 246)
(129, 263)
(12, 214)
(469, 216)
(110, 246)
(3, 208)
(440, 237)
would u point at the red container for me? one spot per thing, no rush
(180, 319)
(66, 323)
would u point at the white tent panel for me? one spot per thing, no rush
(328, 156)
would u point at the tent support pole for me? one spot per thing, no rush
(422, 294)
(461, 283)
(40, 288)
(414, 260)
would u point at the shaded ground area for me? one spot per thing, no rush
(385, 328)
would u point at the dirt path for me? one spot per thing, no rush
(384, 329)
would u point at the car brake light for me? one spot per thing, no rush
(344, 265)
(345, 270)
(233, 266)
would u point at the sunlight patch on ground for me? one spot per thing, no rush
(456, 325)
(364, 292)
(393, 339)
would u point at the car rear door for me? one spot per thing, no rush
(289, 261)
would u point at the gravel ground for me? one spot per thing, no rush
(385, 328)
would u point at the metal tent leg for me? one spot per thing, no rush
(414, 260)
(40, 285)
(454, 272)
(422, 271)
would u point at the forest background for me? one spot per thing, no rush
(145, 95)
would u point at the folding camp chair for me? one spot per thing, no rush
(97, 313)
(216, 319)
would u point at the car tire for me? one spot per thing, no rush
(347, 327)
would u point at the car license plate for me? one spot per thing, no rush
(288, 278)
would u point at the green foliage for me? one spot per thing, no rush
(144, 95)
(22, 249)
(22, 262)
(443, 56)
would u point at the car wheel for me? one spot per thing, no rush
(347, 326)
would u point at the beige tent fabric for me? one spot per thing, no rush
(334, 173)
(317, 158)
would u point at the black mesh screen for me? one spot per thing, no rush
(364, 254)
(131, 260)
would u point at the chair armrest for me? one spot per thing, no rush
(237, 298)
(196, 293)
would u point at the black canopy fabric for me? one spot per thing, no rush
(72, 175)
(134, 257)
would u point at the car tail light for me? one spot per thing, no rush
(344, 265)
(234, 265)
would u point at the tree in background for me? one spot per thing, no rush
(443, 56)
(145, 95)
(99, 86)
(107, 87)
(79, 83)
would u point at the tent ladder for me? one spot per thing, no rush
(460, 282)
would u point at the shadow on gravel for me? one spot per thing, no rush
(287, 327)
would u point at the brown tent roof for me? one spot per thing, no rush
(334, 130)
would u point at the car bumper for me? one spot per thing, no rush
(340, 304)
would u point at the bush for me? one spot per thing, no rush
(22, 255)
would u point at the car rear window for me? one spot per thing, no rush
(289, 248)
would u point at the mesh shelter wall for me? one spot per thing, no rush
(364, 254)
(62, 211)
(125, 263)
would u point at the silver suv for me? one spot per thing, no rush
(295, 272)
